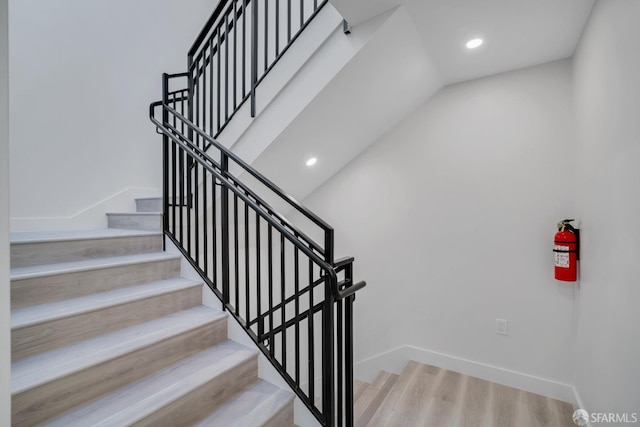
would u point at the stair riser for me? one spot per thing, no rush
(150, 222)
(284, 417)
(149, 205)
(47, 336)
(40, 290)
(29, 254)
(201, 401)
(48, 400)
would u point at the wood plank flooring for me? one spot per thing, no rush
(425, 395)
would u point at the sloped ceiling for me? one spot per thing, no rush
(517, 33)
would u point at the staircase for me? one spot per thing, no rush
(424, 395)
(104, 331)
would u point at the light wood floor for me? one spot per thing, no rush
(424, 395)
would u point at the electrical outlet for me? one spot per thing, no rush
(501, 327)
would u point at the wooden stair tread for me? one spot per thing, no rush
(254, 406)
(139, 399)
(36, 314)
(371, 397)
(19, 237)
(358, 388)
(36, 370)
(410, 393)
(43, 270)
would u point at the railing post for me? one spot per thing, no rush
(328, 357)
(328, 336)
(348, 350)
(165, 155)
(224, 224)
(191, 89)
(254, 54)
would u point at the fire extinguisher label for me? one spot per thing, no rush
(562, 256)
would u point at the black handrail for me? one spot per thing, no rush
(179, 151)
(208, 211)
(257, 203)
(248, 168)
(263, 209)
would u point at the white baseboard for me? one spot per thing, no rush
(579, 403)
(92, 216)
(394, 360)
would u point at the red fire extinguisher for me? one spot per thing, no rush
(567, 251)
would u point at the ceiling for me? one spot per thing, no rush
(418, 48)
(516, 33)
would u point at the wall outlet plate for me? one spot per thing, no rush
(502, 327)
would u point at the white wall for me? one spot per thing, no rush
(451, 217)
(607, 94)
(5, 343)
(82, 77)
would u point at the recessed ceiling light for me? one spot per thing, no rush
(474, 43)
(312, 161)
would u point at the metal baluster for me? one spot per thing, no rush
(266, 34)
(244, 48)
(311, 350)
(226, 68)
(258, 273)
(205, 222)
(277, 28)
(214, 232)
(219, 43)
(254, 56)
(288, 21)
(204, 95)
(165, 154)
(270, 276)
(235, 53)
(174, 178)
(296, 277)
(301, 13)
(196, 211)
(224, 218)
(247, 317)
(211, 53)
(283, 306)
(339, 338)
(236, 261)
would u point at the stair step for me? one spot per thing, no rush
(45, 327)
(178, 395)
(42, 284)
(149, 204)
(146, 221)
(50, 383)
(50, 247)
(371, 397)
(358, 388)
(261, 404)
(410, 395)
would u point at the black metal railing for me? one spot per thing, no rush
(285, 288)
(239, 45)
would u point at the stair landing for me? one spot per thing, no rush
(425, 395)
